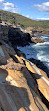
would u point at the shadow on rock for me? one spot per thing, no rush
(17, 37)
(18, 96)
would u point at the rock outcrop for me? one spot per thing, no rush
(37, 40)
(16, 35)
(20, 82)
(37, 31)
(40, 76)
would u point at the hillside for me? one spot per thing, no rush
(24, 22)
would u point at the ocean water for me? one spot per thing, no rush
(39, 51)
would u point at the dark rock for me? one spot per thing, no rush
(19, 53)
(40, 65)
(3, 32)
(17, 37)
(14, 35)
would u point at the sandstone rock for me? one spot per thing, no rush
(18, 87)
(41, 78)
(17, 94)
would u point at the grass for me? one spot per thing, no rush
(24, 22)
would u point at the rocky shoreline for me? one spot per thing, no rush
(24, 85)
(20, 72)
(16, 35)
(37, 40)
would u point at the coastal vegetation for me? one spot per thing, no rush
(24, 22)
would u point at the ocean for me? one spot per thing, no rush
(39, 51)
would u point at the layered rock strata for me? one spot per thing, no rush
(20, 80)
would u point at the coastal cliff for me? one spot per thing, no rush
(23, 85)
(20, 83)
(16, 35)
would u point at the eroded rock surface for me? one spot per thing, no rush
(20, 80)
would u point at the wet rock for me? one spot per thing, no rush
(20, 54)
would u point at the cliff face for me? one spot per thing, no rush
(20, 82)
(23, 86)
(16, 35)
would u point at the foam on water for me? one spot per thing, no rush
(43, 50)
(43, 58)
(29, 51)
(41, 44)
(38, 51)
(44, 37)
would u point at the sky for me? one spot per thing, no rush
(34, 9)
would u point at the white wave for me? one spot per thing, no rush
(38, 51)
(41, 44)
(42, 57)
(28, 50)
(44, 37)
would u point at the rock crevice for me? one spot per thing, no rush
(20, 83)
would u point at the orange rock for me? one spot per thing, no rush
(18, 89)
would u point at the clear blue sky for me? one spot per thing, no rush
(34, 9)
